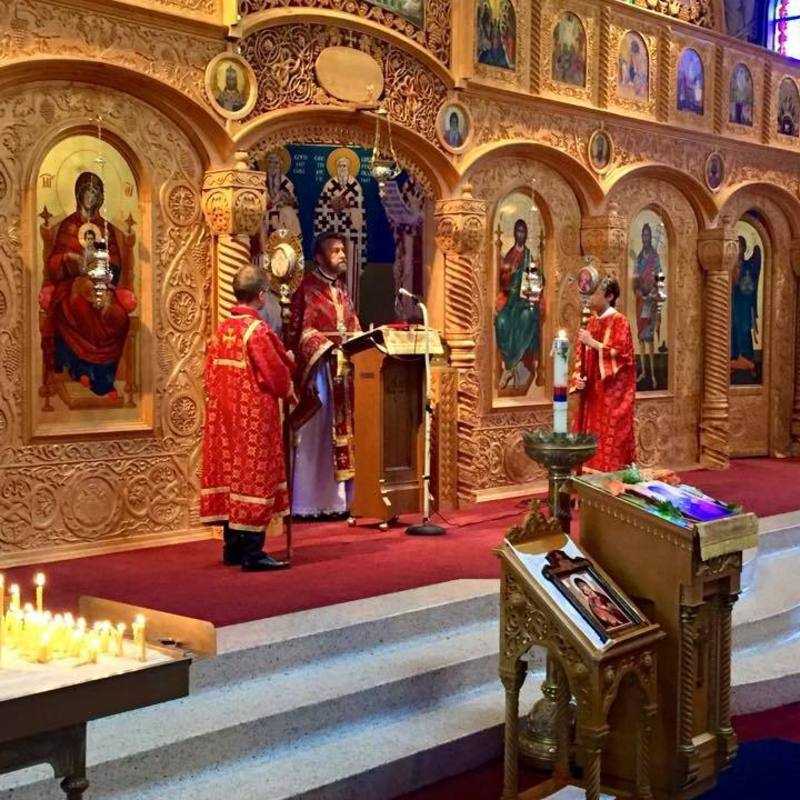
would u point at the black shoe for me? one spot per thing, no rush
(232, 548)
(263, 563)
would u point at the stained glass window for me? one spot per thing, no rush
(784, 32)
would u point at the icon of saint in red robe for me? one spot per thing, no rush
(85, 326)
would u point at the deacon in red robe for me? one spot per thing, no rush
(322, 314)
(605, 375)
(244, 478)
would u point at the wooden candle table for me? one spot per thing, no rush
(44, 708)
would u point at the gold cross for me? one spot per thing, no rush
(229, 337)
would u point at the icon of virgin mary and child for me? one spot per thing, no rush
(86, 319)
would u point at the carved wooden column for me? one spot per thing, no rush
(461, 236)
(717, 250)
(604, 237)
(643, 741)
(794, 445)
(688, 671)
(512, 682)
(234, 201)
(727, 737)
(592, 743)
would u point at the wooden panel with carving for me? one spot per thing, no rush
(90, 490)
(434, 34)
(283, 58)
(42, 28)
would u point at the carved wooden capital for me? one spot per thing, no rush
(717, 248)
(461, 225)
(234, 199)
(604, 236)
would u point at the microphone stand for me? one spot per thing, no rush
(426, 527)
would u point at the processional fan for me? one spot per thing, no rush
(284, 264)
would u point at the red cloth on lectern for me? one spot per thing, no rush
(244, 476)
(607, 403)
(320, 308)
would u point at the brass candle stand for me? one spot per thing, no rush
(560, 454)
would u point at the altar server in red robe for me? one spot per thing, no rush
(322, 315)
(244, 479)
(606, 378)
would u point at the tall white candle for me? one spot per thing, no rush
(560, 370)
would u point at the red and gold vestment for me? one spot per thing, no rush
(244, 477)
(607, 403)
(321, 313)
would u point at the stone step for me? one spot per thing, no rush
(383, 757)
(766, 677)
(769, 608)
(453, 654)
(252, 649)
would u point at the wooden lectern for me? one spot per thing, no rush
(686, 579)
(389, 378)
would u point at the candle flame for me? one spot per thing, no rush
(39, 579)
(562, 334)
(14, 589)
(139, 619)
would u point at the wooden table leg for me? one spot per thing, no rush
(70, 762)
(512, 681)
(74, 787)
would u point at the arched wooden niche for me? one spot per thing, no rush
(90, 312)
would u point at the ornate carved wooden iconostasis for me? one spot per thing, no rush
(606, 129)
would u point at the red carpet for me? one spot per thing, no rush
(486, 782)
(765, 486)
(332, 564)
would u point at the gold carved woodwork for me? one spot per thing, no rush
(605, 238)
(81, 493)
(434, 36)
(527, 619)
(461, 237)
(691, 599)
(284, 58)
(444, 437)
(234, 202)
(41, 28)
(717, 251)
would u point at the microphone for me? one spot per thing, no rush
(406, 293)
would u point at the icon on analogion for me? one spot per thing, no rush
(89, 279)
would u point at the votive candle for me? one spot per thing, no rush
(39, 581)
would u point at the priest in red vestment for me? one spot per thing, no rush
(605, 376)
(244, 478)
(321, 316)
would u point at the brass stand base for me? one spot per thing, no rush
(560, 453)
